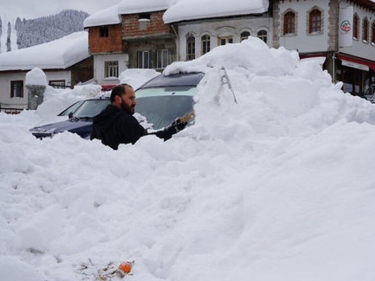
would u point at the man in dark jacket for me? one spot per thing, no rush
(116, 124)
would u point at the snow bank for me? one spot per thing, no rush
(136, 77)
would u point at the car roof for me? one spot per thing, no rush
(101, 97)
(178, 79)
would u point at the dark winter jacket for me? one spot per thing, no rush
(114, 126)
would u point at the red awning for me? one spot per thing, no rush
(357, 61)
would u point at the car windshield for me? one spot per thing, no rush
(161, 106)
(91, 108)
(71, 108)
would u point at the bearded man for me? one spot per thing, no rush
(116, 123)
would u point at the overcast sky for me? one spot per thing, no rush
(30, 9)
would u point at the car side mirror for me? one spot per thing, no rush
(70, 115)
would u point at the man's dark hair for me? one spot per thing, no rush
(118, 91)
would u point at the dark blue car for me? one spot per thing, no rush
(159, 102)
(80, 119)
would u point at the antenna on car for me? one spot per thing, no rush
(225, 80)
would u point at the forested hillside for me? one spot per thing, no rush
(25, 33)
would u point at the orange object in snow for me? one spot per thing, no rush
(125, 267)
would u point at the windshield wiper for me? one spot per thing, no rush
(85, 118)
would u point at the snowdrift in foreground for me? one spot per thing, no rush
(277, 186)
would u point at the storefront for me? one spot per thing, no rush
(356, 74)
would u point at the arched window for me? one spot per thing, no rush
(245, 35)
(365, 30)
(262, 34)
(315, 21)
(190, 48)
(289, 23)
(206, 44)
(355, 26)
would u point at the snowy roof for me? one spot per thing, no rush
(142, 6)
(187, 9)
(107, 16)
(58, 54)
(112, 14)
(177, 10)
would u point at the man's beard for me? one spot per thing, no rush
(127, 108)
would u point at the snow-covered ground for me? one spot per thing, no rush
(278, 186)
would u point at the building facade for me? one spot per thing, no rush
(140, 40)
(343, 32)
(144, 40)
(195, 38)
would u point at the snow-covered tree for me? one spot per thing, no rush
(45, 29)
(9, 34)
(1, 31)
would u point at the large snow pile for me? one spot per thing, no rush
(277, 186)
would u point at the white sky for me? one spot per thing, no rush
(39, 8)
(276, 187)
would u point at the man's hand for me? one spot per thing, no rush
(186, 118)
(177, 125)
